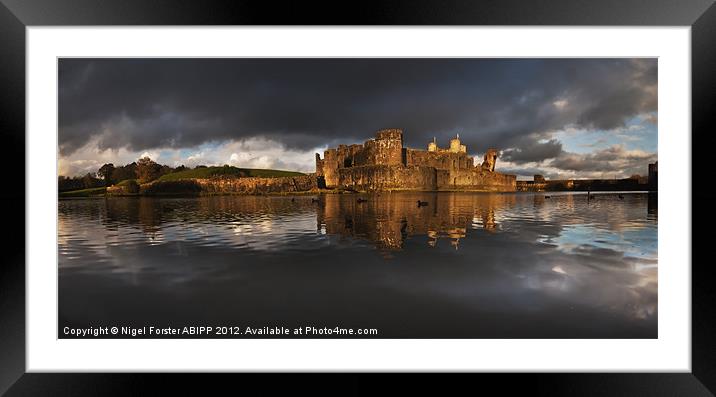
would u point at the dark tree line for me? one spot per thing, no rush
(143, 170)
(65, 183)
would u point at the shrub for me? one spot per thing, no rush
(130, 186)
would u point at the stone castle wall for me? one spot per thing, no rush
(381, 177)
(439, 160)
(475, 180)
(385, 177)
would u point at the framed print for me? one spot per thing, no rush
(424, 188)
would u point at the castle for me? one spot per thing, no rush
(383, 163)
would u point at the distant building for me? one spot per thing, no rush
(653, 176)
(383, 163)
(539, 184)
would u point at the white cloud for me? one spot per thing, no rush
(151, 154)
(560, 104)
(248, 153)
(89, 158)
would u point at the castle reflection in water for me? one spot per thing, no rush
(389, 219)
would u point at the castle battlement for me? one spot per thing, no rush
(382, 163)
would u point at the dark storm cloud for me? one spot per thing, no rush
(143, 104)
(603, 163)
(612, 159)
(530, 151)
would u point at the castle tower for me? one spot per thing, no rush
(455, 144)
(387, 147)
(488, 163)
(433, 146)
(319, 165)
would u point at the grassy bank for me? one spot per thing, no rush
(97, 191)
(208, 172)
(126, 182)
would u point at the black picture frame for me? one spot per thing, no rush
(16, 15)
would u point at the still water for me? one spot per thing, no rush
(466, 265)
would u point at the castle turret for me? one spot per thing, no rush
(433, 146)
(455, 144)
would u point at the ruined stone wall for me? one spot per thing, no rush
(442, 178)
(441, 160)
(319, 165)
(383, 177)
(494, 181)
(293, 184)
(385, 149)
(475, 179)
(357, 155)
(489, 161)
(351, 156)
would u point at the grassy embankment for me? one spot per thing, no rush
(199, 173)
(209, 172)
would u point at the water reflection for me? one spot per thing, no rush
(389, 221)
(464, 265)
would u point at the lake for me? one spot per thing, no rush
(466, 265)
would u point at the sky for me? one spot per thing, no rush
(562, 118)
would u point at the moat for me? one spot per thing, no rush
(463, 265)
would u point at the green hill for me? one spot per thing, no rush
(209, 172)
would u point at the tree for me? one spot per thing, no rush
(90, 181)
(131, 186)
(65, 183)
(147, 170)
(105, 172)
(165, 169)
(124, 172)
